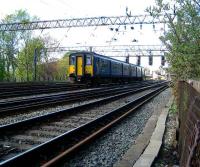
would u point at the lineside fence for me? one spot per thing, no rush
(189, 123)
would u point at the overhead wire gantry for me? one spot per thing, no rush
(83, 22)
(142, 50)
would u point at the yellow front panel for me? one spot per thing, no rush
(71, 69)
(79, 66)
(89, 69)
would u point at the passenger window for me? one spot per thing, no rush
(72, 60)
(88, 60)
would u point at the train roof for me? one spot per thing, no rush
(106, 57)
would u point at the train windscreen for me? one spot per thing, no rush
(88, 60)
(72, 60)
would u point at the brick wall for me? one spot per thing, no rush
(189, 123)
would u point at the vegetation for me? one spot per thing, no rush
(182, 39)
(54, 69)
(173, 108)
(20, 52)
(10, 42)
(25, 59)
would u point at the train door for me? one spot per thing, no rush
(79, 65)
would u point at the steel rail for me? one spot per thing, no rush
(30, 121)
(94, 135)
(11, 86)
(23, 89)
(27, 156)
(35, 89)
(36, 102)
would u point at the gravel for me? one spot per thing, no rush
(48, 130)
(45, 94)
(39, 112)
(109, 148)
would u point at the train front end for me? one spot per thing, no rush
(80, 67)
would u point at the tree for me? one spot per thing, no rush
(63, 66)
(47, 66)
(10, 43)
(182, 39)
(55, 69)
(25, 58)
(2, 65)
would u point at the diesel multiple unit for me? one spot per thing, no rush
(92, 67)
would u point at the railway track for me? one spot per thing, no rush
(9, 90)
(9, 116)
(26, 141)
(22, 105)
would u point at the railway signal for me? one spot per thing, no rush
(138, 60)
(150, 58)
(163, 60)
(127, 59)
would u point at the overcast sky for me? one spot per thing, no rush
(54, 9)
(61, 9)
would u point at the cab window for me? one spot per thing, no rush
(72, 60)
(88, 60)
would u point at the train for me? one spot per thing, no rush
(95, 68)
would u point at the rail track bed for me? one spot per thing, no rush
(34, 139)
(110, 147)
(9, 90)
(14, 90)
(20, 109)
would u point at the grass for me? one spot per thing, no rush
(173, 108)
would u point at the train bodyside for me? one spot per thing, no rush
(85, 66)
(107, 69)
(102, 67)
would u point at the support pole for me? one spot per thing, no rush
(35, 63)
